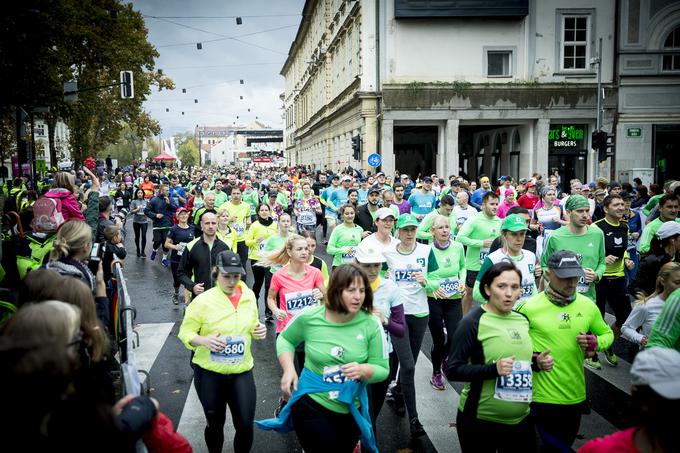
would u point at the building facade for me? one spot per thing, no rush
(492, 87)
(648, 130)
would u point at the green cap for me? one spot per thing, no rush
(576, 202)
(514, 222)
(407, 220)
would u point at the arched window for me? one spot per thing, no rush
(672, 62)
(496, 158)
(514, 156)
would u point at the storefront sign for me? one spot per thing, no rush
(566, 135)
(635, 132)
(262, 159)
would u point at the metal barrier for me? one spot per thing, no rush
(126, 335)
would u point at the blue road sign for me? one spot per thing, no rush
(374, 160)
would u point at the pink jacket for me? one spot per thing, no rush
(70, 207)
(504, 207)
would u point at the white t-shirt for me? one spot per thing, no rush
(401, 268)
(372, 241)
(463, 214)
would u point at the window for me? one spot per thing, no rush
(575, 41)
(672, 62)
(499, 63)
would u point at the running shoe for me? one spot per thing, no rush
(593, 364)
(165, 262)
(444, 367)
(143, 255)
(416, 427)
(153, 255)
(610, 357)
(397, 403)
(279, 407)
(175, 299)
(437, 381)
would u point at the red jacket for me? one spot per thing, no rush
(70, 208)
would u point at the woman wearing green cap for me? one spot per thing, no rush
(445, 290)
(408, 264)
(513, 232)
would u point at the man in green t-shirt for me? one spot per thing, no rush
(668, 212)
(560, 320)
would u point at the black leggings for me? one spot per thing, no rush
(321, 430)
(443, 313)
(242, 251)
(216, 391)
(260, 277)
(140, 232)
(406, 350)
(174, 265)
(612, 290)
(481, 436)
(557, 425)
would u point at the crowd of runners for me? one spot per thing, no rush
(512, 280)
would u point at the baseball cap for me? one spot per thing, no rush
(614, 184)
(668, 229)
(427, 179)
(565, 264)
(600, 192)
(585, 187)
(273, 193)
(368, 254)
(625, 195)
(514, 222)
(530, 184)
(407, 220)
(404, 176)
(380, 174)
(346, 178)
(509, 192)
(484, 179)
(229, 262)
(373, 189)
(181, 209)
(335, 176)
(384, 213)
(658, 368)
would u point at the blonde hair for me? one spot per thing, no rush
(73, 235)
(65, 180)
(663, 275)
(52, 318)
(281, 257)
(437, 219)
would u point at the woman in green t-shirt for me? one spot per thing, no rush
(494, 357)
(345, 237)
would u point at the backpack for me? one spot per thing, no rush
(40, 246)
(47, 215)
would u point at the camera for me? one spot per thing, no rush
(96, 255)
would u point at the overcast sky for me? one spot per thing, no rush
(212, 74)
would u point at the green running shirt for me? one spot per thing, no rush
(473, 233)
(343, 242)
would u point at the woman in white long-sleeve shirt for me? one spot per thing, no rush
(644, 314)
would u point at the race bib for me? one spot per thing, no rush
(333, 375)
(483, 253)
(233, 352)
(119, 202)
(406, 277)
(182, 246)
(517, 385)
(527, 291)
(449, 286)
(239, 228)
(261, 245)
(307, 218)
(582, 286)
(349, 257)
(298, 301)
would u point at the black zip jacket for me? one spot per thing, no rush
(197, 263)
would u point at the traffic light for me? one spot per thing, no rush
(356, 147)
(602, 142)
(127, 85)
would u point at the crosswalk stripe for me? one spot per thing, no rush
(192, 424)
(152, 337)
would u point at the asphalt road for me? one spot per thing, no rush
(167, 361)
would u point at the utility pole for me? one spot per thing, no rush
(600, 94)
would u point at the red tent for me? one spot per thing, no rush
(164, 156)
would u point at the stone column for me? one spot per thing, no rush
(387, 143)
(542, 129)
(450, 158)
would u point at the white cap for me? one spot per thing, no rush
(658, 368)
(383, 213)
(368, 254)
(668, 229)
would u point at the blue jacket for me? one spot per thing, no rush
(310, 382)
(157, 205)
